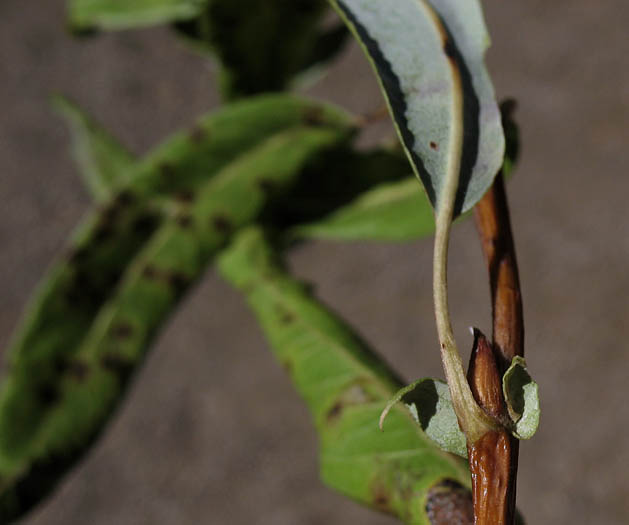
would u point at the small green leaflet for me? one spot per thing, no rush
(522, 397)
(427, 55)
(126, 14)
(428, 400)
(103, 162)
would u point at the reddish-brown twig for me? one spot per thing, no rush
(494, 458)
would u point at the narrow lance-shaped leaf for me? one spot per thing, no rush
(429, 58)
(53, 403)
(346, 387)
(81, 281)
(103, 162)
(126, 14)
(186, 160)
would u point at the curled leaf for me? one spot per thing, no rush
(428, 400)
(522, 397)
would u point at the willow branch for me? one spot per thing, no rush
(494, 459)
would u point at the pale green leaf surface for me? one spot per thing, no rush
(127, 14)
(405, 43)
(428, 400)
(103, 162)
(345, 386)
(522, 397)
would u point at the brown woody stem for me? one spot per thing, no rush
(494, 458)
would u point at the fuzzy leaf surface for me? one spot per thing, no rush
(346, 386)
(426, 56)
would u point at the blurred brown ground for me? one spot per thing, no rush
(212, 431)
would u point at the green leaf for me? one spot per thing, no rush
(522, 397)
(103, 162)
(345, 386)
(333, 181)
(427, 58)
(384, 210)
(188, 159)
(127, 14)
(263, 44)
(76, 353)
(394, 211)
(429, 402)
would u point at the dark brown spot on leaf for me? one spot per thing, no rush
(150, 272)
(334, 412)
(166, 170)
(266, 185)
(449, 49)
(77, 255)
(313, 115)
(144, 224)
(434, 145)
(77, 369)
(118, 365)
(184, 220)
(124, 198)
(47, 394)
(287, 317)
(103, 232)
(185, 197)
(109, 214)
(221, 224)
(178, 282)
(287, 365)
(381, 499)
(198, 134)
(122, 331)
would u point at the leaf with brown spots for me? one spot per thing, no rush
(345, 386)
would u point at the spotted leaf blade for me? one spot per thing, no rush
(427, 55)
(345, 387)
(111, 236)
(54, 403)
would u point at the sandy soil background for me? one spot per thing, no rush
(212, 431)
